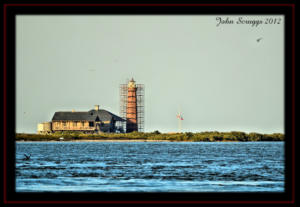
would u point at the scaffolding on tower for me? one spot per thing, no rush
(140, 107)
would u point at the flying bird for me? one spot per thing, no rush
(27, 157)
(259, 39)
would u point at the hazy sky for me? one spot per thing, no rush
(220, 77)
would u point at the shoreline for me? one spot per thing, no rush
(102, 140)
(129, 140)
(156, 136)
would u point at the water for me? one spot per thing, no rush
(150, 167)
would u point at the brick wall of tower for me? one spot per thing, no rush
(131, 111)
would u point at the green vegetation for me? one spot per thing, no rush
(156, 135)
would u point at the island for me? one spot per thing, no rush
(209, 136)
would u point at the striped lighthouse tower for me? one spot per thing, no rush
(131, 110)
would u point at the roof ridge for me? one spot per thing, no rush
(71, 111)
(85, 115)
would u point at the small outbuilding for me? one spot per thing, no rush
(44, 128)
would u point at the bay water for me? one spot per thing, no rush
(150, 167)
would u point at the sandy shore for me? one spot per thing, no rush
(125, 140)
(104, 140)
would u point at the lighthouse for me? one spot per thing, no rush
(131, 109)
(132, 106)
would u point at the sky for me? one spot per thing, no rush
(226, 77)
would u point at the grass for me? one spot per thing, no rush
(156, 135)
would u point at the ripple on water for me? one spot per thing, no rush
(151, 167)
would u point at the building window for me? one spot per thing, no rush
(64, 124)
(75, 123)
(91, 124)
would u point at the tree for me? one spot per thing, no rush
(156, 132)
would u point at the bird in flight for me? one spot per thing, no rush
(27, 157)
(259, 39)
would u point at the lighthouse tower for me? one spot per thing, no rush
(132, 106)
(131, 111)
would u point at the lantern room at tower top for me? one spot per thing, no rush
(132, 105)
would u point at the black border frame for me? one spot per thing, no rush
(9, 194)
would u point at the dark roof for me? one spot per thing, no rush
(91, 115)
